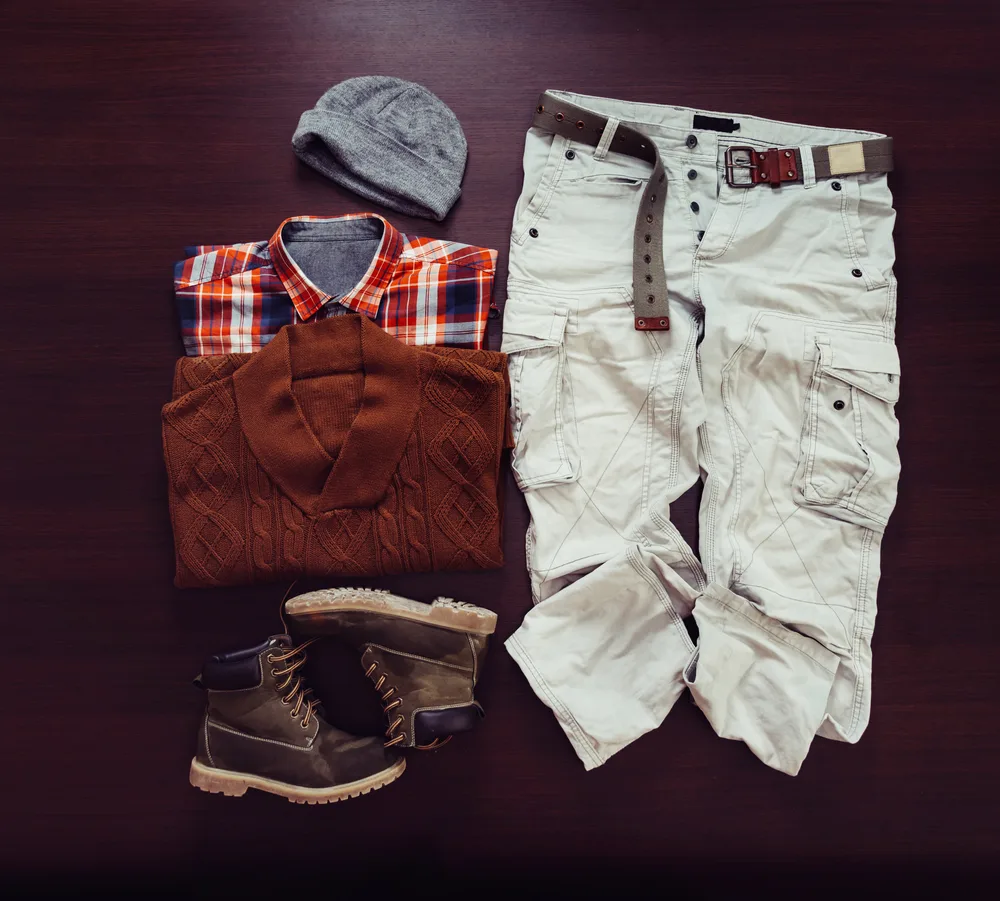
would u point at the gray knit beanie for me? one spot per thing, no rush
(390, 141)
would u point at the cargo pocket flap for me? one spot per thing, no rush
(870, 366)
(529, 325)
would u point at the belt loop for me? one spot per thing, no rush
(607, 137)
(808, 166)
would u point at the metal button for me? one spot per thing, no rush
(692, 141)
(533, 232)
(692, 173)
(570, 155)
(857, 273)
(694, 206)
(838, 405)
(835, 186)
(701, 235)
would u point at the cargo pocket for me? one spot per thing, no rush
(848, 463)
(545, 445)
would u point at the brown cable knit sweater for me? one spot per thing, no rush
(335, 450)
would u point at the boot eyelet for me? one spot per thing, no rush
(286, 703)
(270, 658)
(304, 725)
(274, 674)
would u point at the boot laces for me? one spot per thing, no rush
(389, 705)
(294, 686)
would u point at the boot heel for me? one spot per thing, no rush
(452, 614)
(216, 781)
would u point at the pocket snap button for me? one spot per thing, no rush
(838, 405)
(533, 232)
(692, 173)
(835, 186)
(570, 155)
(857, 273)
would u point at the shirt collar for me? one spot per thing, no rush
(364, 297)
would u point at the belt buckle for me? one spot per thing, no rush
(742, 160)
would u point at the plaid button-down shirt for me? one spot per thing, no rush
(235, 298)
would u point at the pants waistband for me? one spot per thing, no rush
(672, 126)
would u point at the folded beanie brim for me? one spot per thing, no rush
(363, 159)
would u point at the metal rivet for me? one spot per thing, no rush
(694, 206)
(791, 174)
(649, 218)
(539, 109)
(533, 232)
(646, 258)
(763, 156)
(787, 155)
(640, 322)
(692, 173)
(579, 123)
(763, 177)
(663, 323)
(570, 155)
(647, 239)
(835, 186)
(838, 405)
(651, 298)
(649, 279)
(857, 273)
(559, 117)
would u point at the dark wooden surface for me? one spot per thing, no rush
(129, 129)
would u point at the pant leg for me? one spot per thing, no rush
(605, 426)
(800, 377)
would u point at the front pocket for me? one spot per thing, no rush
(546, 450)
(848, 463)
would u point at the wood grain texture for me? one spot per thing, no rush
(130, 129)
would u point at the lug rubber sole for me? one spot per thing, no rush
(228, 782)
(444, 613)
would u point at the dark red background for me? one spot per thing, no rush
(129, 129)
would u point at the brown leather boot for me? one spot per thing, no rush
(424, 659)
(263, 730)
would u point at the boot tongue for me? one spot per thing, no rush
(279, 641)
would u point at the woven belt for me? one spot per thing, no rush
(745, 168)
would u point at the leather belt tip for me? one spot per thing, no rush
(652, 324)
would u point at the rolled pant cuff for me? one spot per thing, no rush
(578, 738)
(757, 681)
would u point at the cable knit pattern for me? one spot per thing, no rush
(414, 523)
(461, 449)
(240, 518)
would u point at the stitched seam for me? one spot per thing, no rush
(568, 717)
(208, 749)
(735, 228)
(661, 596)
(730, 605)
(687, 555)
(455, 666)
(271, 741)
(859, 628)
(475, 662)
